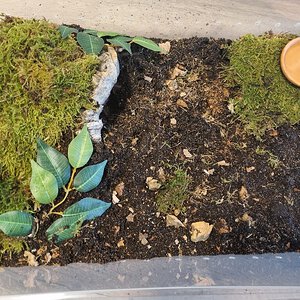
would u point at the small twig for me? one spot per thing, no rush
(56, 213)
(66, 195)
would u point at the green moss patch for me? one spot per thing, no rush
(10, 245)
(266, 99)
(12, 197)
(44, 83)
(174, 192)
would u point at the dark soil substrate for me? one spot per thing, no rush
(252, 199)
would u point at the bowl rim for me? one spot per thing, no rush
(282, 60)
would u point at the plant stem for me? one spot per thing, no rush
(66, 194)
(56, 213)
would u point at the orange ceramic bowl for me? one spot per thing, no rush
(290, 61)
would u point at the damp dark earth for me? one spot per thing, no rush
(174, 148)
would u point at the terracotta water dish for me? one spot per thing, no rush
(290, 61)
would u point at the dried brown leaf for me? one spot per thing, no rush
(181, 103)
(243, 193)
(246, 218)
(187, 153)
(120, 188)
(161, 175)
(273, 132)
(173, 121)
(172, 220)
(130, 218)
(200, 231)
(166, 47)
(153, 184)
(193, 77)
(115, 199)
(143, 238)
(209, 172)
(177, 71)
(47, 257)
(200, 191)
(134, 141)
(177, 212)
(230, 107)
(223, 163)
(222, 227)
(147, 78)
(121, 243)
(172, 84)
(55, 252)
(226, 93)
(31, 260)
(250, 169)
(41, 251)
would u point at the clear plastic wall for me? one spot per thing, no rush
(223, 275)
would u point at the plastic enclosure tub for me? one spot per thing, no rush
(267, 276)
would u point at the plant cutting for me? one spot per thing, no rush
(51, 172)
(93, 41)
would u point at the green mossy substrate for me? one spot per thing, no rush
(265, 99)
(174, 192)
(44, 83)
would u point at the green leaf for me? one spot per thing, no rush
(16, 223)
(91, 31)
(80, 149)
(64, 228)
(43, 184)
(107, 33)
(146, 43)
(89, 177)
(90, 44)
(73, 217)
(66, 31)
(121, 41)
(89, 207)
(53, 161)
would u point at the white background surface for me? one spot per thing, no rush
(166, 18)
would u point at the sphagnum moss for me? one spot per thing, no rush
(174, 192)
(44, 82)
(266, 99)
(11, 245)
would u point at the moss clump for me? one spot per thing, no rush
(12, 197)
(44, 82)
(266, 99)
(10, 245)
(174, 192)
